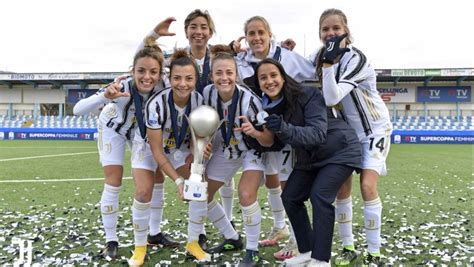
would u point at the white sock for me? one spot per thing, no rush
(109, 207)
(197, 213)
(216, 215)
(156, 208)
(227, 198)
(276, 204)
(344, 220)
(252, 218)
(141, 218)
(372, 220)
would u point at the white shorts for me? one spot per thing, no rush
(375, 148)
(177, 157)
(142, 158)
(221, 169)
(111, 146)
(280, 162)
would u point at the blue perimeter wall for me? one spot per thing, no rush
(398, 137)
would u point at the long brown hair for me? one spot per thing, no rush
(291, 89)
(319, 56)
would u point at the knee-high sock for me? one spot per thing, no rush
(252, 218)
(216, 215)
(373, 224)
(109, 207)
(278, 211)
(344, 220)
(141, 218)
(227, 198)
(156, 208)
(197, 212)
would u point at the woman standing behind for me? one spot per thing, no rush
(236, 105)
(199, 28)
(327, 152)
(348, 79)
(259, 37)
(116, 128)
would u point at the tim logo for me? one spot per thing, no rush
(410, 139)
(330, 47)
(432, 93)
(458, 93)
(21, 260)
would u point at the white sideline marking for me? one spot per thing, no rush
(58, 180)
(49, 156)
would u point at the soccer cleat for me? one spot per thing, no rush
(372, 261)
(289, 251)
(162, 239)
(275, 235)
(227, 245)
(300, 260)
(346, 257)
(138, 258)
(251, 258)
(202, 241)
(110, 250)
(193, 248)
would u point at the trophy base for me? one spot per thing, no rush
(195, 190)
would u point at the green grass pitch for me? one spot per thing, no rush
(427, 207)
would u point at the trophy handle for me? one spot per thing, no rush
(217, 130)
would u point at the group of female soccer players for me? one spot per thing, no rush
(308, 146)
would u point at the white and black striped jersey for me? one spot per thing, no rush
(118, 114)
(296, 66)
(248, 104)
(352, 82)
(158, 116)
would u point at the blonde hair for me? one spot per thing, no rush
(333, 11)
(200, 13)
(319, 57)
(152, 50)
(261, 19)
(222, 52)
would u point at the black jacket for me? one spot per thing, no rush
(317, 136)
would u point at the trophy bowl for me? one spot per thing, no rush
(204, 120)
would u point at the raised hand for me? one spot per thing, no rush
(333, 49)
(289, 44)
(162, 29)
(247, 127)
(114, 90)
(236, 46)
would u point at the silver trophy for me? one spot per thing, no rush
(203, 124)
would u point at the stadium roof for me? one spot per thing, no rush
(394, 76)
